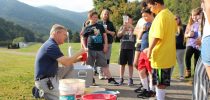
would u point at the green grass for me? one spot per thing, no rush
(17, 70)
(16, 76)
(75, 47)
(31, 48)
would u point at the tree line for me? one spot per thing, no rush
(10, 31)
(120, 7)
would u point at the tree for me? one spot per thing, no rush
(18, 39)
(182, 7)
(118, 8)
(75, 38)
(70, 35)
(10, 31)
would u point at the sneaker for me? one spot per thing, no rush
(94, 82)
(121, 81)
(142, 94)
(101, 77)
(139, 90)
(146, 94)
(140, 85)
(181, 78)
(188, 74)
(112, 81)
(130, 82)
(105, 78)
(96, 73)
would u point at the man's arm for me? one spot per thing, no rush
(83, 42)
(153, 43)
(67, 61)
(105, 42)
(121, 31)
(188, 32)
(110, 32)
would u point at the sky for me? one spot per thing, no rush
(73, 5)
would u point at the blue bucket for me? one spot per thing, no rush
(108, 92)
(69, 97)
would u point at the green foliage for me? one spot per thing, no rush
(75, 38)
(4, 43)
(182, 7)
(18, 39)
(10, 31)
(118, 8)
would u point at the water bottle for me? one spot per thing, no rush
(70, 51)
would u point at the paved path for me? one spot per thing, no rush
(177, 91)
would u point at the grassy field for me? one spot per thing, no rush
(75, 46)
(16, 76)
(17, 70)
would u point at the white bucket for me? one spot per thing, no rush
(71, 87)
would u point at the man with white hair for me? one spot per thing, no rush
(47, 59)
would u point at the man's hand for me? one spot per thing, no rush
(147, 51)
(198, 41)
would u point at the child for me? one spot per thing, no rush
(161, 40)
(127, 48)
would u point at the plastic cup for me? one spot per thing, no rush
(84, 56)
(125, 19)
(105, 26)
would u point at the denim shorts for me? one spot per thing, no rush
(205, 50)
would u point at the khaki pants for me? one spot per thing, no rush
(49, 94)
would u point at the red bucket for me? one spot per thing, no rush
(99, 97)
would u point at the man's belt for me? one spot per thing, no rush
(37, 79)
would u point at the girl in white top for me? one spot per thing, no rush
(205, 52)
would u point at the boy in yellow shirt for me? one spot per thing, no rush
(162, 50)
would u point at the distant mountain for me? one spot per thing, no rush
(10, 31)
(35, 19)
(77, 18)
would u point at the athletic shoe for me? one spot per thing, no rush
(130, 82)
(146, 94)
(112, 81)
(121, 81)
(139, 90)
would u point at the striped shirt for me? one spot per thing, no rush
(201, 82)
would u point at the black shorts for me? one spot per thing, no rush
(126, 57)
(161, 76)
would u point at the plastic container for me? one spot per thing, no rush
(69, 97)
(84, 56)
(108, 92)
(93, 89)
(99, 97)
(71, 87)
